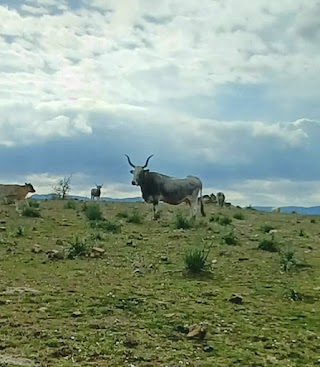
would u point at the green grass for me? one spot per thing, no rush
(93, 212)
(196, 260)
(182, 222)
(130, 306)
(30, 212)
(135, 217)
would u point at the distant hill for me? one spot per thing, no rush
(313, 210)
(83, 198)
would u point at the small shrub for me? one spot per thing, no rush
(302, 233)
(93, 212)
(287, 260)
(294, 295)
(266, 228)
(135, 218)
(182, 222)
(312, 221)
(239, 216)
(122, 215)
(30, 212)
(230, 239)
(70, 205)
(20, 232)
(107, 226)
(270, 245)
(78, 248)
(196, 260)
(224, 221)
(97, 236)
(34, 203)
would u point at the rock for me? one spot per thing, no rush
(3, 229)
(273, 231)
(97, 252)
(77, 313)
(236, 299)
(130, 342)
(36, 249)
(207, 348)
(3, 221)
(43, 309)
(164, 258)
(55, 255)
(131, 243)
(197, 331)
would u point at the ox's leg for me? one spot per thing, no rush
(156, 214)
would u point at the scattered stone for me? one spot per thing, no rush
(59, 242)
(131, 243)
(130, 342)
(3, 221)
(164, 258)
(15, 290)
(43, 309)
(36, 249)
(197, 331)
(207, 348)
(273, 231)
(3, 229)
(97, 252)
(55, 255)
(77, 313)
(236, 299)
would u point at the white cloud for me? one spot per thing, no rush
(137, 71)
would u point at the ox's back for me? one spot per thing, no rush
(167, 188)
(17, 192)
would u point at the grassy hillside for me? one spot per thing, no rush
(133, 304)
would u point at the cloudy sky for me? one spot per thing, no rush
(224, 89)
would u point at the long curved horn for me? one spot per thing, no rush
(148, 160)
(131, 164)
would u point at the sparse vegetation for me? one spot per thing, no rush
(122, 215)
(135, 217)
(30, 212)
(230, 239)
(302, 233)
(93, 212)
(182, 222)
(196, 260)
(269, 244)
(34, 203)
(312, 221)
(287, 259)
(106, 225)
(238, 216)
(78, 248)
(20, 232)
(222, 220)
(124, 294)
(70, 204)
(266, 228)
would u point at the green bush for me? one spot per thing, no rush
(78, 248)
(122, 215)
(196, 260)
(239, 216)
(93, 212)
(34, 203)
(266, 228)
(270, 245)
(182, 222)
(30, 212)
(70, 205)
(135, 218)
(230, 239)
(287, 260)
(106, 225)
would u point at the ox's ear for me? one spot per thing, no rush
(146, 170)
(131, 171)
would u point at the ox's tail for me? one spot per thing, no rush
(201, 204)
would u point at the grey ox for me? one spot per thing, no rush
(157, 187)
(221, 198)
(95, 193)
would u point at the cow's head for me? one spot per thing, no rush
(138, 171)
(99, 187)
(29, 187)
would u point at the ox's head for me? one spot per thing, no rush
(29, 187)
(99, 187)
(138, 171)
